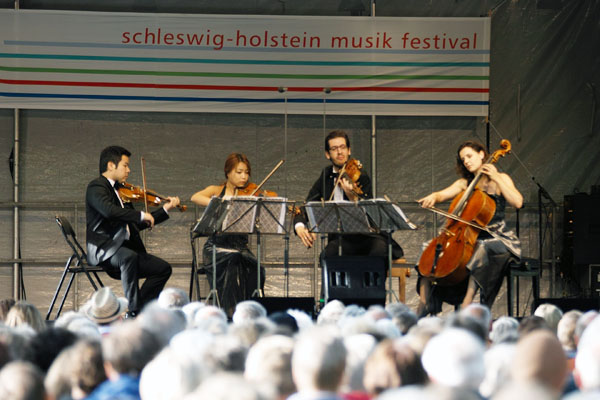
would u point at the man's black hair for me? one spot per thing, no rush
(114, 154)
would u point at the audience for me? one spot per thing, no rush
(47, 345)
(248, 310)
(175, 349)
(454, 358)
(358, 350)
(5, 306)
(104, 308)
(392, 364)
(269, 366)
(173, 298)
(504, 330)
(587, 360)
(539, 358)
(20, 380)
(551, 314)
(318, 363)
(23, 313)
(126, 351)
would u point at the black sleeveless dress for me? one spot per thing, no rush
(236, 268)
(487, 265)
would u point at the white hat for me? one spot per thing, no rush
(104, 306)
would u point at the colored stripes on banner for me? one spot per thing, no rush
(248, 64)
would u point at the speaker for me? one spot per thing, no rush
(355, 279)
(275, 304)
(582, 228)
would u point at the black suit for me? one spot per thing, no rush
(352, 244)
(122, 258)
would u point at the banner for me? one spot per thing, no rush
(247, 64)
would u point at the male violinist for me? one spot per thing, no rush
(113, 238)
(337, 150)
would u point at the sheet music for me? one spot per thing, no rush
(386, 215)
(241, 214)
(272, 217)
(210, 222)
(336, 216)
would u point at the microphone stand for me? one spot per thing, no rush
(542, 193)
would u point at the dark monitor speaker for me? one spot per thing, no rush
(356, 279)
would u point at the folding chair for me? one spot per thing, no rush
(77, 263)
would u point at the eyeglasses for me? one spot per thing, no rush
(341, 147)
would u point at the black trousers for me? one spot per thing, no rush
(129, 266)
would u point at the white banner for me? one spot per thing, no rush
(248, 64)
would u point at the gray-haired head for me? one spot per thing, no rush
(551, 313)
(20, 380)
(248, 310)
(319, 360)
(173, 298)
(566, 329)
(455, 358)
(505, 330)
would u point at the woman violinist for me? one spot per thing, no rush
(486, 265)
(235, 263)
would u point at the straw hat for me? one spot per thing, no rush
(104, 306)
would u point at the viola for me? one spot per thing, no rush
(445, 258)
(350, 171)
(130, 193)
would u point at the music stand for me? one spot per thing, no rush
(336, 217)
(260, 215)
(209, 224)
(386, 217)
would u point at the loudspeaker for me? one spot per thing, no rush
(355, 279)
(567, 304)
(582, 228)
(274, 304)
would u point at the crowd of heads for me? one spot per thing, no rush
(177, 349)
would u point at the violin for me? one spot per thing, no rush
(130, 193)
(350, 171)
(445, 258)
(252, 189)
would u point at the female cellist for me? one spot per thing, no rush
(499, 186)
(235, 263)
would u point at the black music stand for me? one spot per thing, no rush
(259, 215)
(209, 224)
(386, 217)
(340, 217)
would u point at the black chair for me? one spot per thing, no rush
(77, 263)
(527, 267)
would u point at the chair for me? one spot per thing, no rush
(527, 267)
(76, 263)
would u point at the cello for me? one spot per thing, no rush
(446, 256)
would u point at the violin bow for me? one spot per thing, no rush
(279, 164)
(337, 181)
(144, 185)
(459, 219)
